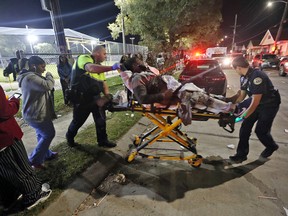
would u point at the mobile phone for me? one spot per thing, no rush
(15, 95)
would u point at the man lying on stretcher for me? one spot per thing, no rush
(150, 88)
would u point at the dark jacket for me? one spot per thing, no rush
(13, 66)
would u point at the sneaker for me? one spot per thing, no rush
(269, 151)
(237, 158)
(44, 195)
(107, 144)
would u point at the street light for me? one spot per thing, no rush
(32, 39)
(123, 27)
(132, 40)
(281, 22)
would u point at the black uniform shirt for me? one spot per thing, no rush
(257, 82)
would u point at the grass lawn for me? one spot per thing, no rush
(73, 161)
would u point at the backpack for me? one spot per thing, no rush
(12, 67)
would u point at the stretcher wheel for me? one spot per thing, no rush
(131, 155)
(136, 141)
(196, 162)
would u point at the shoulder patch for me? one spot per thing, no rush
(257, 81)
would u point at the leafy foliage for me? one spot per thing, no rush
(44, 48)
(168, 24)
(10, 44)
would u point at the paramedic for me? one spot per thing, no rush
(263, 109)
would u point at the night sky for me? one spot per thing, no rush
(92, 16)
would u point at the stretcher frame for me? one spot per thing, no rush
(168, 129)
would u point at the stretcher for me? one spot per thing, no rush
(167, 129)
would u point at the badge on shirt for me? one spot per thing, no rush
(257, 81)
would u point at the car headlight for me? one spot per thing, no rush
(227, 61)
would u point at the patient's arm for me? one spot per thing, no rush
(141, 95)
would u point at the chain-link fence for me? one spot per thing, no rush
(114, 54)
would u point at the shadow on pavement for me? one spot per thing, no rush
(171, 180)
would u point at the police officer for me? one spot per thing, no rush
(86, 64)
(263, 109)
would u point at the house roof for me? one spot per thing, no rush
(284, 33)
(44, 32)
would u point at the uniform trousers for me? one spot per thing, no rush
(80, 114)
(264, 117)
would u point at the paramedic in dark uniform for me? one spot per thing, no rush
(86, 64)
(263, 109)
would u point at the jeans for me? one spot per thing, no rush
(45, 133)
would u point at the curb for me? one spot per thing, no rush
(82, 186)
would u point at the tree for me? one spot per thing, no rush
(169, 24)
(10, 43)
(44, 48)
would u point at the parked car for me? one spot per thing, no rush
(227, 61)
(206, 74)
(265, 61)
(221, 58)
(283, 66)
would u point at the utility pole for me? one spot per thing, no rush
(281, 25)
(53, 7)
(234, 33)
(123, 30)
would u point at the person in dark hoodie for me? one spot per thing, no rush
(37, 108)
(64, 70)
(13, 66)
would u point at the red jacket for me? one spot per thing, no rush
(9, 128)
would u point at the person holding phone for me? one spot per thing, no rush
(37, 109)
(16, 175)
(16, 95)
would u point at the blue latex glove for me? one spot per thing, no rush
(116, 66)
(238, 119)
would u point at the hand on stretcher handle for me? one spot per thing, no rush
(240, 118)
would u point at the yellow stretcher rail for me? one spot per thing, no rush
(168, 129)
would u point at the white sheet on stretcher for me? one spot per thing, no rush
(171, 84)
